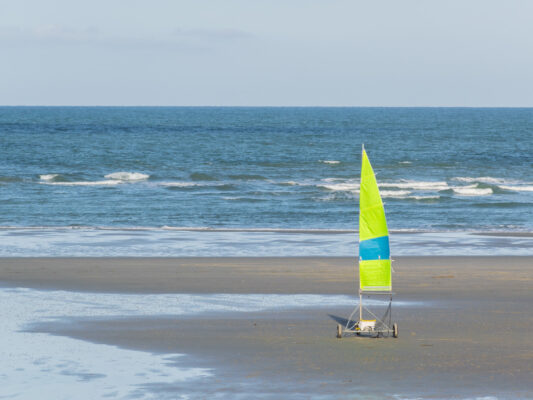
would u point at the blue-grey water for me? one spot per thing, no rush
(441, 170)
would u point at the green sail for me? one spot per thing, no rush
(374, 251)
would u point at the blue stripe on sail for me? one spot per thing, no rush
(374, 249)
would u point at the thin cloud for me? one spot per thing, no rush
(184, 39)
(52, 34)
(221, 33)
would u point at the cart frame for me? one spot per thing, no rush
(383, 326)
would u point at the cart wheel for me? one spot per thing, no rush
(395, 330)
(339, 331)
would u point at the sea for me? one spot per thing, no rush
(247, 181)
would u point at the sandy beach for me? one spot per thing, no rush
(464, 326)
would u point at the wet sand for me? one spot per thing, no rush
(468, 333)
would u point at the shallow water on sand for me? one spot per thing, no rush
(38, 365)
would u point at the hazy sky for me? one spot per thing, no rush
(255, 52)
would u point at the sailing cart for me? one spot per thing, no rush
(373, 326)
(374, 262)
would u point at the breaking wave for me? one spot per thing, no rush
(345, 187)
(395, 193)
(127, 176)
(114, 178)
(48, 177)
(416, 185)
(516, 188)
(472, 190)
(483, 179)
(86, 183)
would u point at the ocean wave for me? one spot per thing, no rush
(290, 183)
(48, 177)
(190, 185)
(425, 197)
(471, 190)
(485, 179)
(416, 185)
(244, 199)
(524, 188)
(514, 185)
(405, 186)
(414, 197)
(200, 176)
(404, 162)
(350, 180)
(247, 177)
(9, 179)
(345, 187)
(332, 162)
(340, 184)
(127, 176)
(114, 178)
(85, 183)
(395, 193)
(180, 184)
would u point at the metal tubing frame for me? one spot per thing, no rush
(387, 326)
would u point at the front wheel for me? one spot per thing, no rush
(339, 331)
(395, 330)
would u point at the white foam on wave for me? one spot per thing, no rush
(395, 193)
(85, 183)
(43, 366)
(424, 197)
(48, 177)
(344, 187)
(514, 185)
(185, 184)
(484, 179)
(180, 184)
(405, 162)
(290, 183)
(405, 186)
(471, 190)
(329, 161)
(416, 185)
(347, 187)
(127, 176)
(114, 178)
(515, 188)
(340, 184)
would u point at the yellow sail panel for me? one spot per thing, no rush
(375, 275)
(372, 223)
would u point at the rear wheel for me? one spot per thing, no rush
(339, 331)
(395, 330)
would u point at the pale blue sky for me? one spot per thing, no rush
(254, 52)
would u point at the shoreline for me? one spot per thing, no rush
(95, 242)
